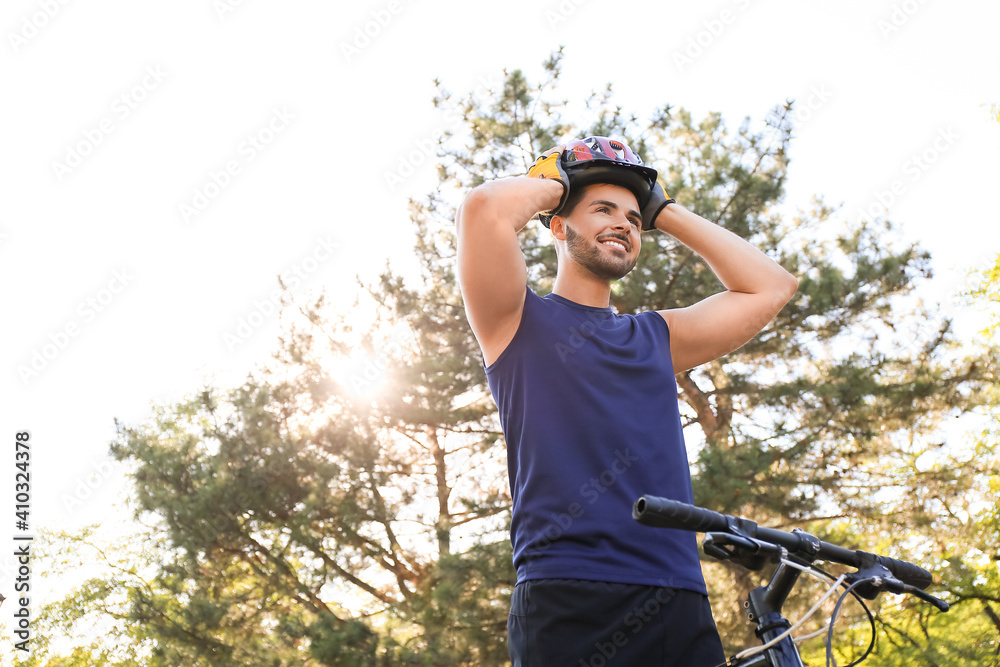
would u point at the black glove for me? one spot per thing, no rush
(658, 199)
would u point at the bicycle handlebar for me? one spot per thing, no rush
(667, 513)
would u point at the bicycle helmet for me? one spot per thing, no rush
(604, 160)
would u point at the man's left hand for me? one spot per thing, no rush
(658, 199)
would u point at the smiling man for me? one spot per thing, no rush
(588, 402)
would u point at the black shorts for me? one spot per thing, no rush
(577, 623)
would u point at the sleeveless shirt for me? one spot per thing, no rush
(588, 405)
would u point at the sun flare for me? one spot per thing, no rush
(361, 374)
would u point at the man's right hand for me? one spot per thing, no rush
(549, 165)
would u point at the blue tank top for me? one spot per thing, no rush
(588, 405)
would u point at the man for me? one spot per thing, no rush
(588, 403)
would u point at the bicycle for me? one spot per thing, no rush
(741, 541)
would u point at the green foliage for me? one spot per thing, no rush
(349, 504)
(278, 493)
(952, 500)
(91, 618)
(837, 406)
(350, 644)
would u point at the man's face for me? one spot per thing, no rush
(602, 233)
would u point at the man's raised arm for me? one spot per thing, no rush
(491, 270)
(757, 288)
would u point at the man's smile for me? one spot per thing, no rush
(615, 244)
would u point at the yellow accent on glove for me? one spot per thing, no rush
(547, 166)
(550, 166)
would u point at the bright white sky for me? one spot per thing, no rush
(117, 112)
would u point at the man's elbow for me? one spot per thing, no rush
(473, 206)
(787, 285)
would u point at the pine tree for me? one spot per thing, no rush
(349, 504)
(823, 415)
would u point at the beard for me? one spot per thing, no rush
(589, 255)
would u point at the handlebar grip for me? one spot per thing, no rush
(908, 573)
(666, 513)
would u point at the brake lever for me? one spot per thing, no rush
(896, 586)
(877, 579)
